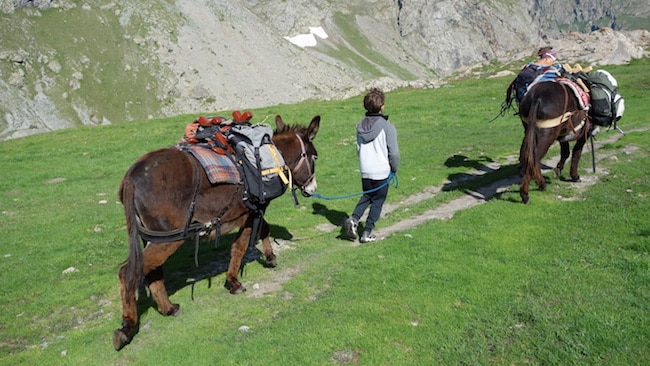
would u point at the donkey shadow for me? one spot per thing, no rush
(471, 184)
(191, 264)
(456, 180)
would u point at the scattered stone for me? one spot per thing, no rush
(55, 180)
(70, 270)
(54, 66)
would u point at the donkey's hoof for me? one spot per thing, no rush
(557, 173)
(271, 262)
(575, 179)
(234, 288)
(120, 339)
(174, 310)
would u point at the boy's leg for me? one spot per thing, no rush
(350, 224)
(377, 199)
(364, 200)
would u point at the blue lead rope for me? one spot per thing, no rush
(391, 178)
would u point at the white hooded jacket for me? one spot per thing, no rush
(377, 147)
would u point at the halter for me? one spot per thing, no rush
(303, 159)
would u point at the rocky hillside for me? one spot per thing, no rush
(68, 63)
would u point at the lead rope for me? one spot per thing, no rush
(391, 178)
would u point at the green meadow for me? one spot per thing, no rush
(562, 281)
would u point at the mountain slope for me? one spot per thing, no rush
(63, 64)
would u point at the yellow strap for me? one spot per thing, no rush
(274, 152)
(280, 171)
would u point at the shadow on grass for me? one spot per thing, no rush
(334, 217)
(482, 173)
(486, 182)
(457, 180)
(181, 270)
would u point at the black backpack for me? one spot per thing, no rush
(526, 77)
(266, 176)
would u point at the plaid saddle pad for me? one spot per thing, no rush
(218, 168)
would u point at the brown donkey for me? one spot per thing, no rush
(550, 111)
(167, 189)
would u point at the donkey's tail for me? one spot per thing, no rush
(530, 141)
(131, 272)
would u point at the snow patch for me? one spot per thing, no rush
(309, 39)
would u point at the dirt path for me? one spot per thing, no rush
(447, 210)
(483, 194)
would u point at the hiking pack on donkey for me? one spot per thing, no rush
(246, 146)
(606, 105)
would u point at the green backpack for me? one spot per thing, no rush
(607, 105)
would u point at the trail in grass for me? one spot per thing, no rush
(484, 193)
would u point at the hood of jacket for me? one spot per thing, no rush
(370, 126)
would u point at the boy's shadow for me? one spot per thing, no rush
(334, 217)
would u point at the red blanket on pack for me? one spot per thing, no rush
(583, 97)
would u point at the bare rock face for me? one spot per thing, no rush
(119, 61)
(603, 47)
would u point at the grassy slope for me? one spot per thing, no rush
(554, 282)
(100, 45)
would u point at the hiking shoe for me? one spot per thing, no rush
(367, 237)
(350, 228)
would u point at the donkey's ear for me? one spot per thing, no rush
(313, 128)
(279, 123)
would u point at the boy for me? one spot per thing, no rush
(378, 158)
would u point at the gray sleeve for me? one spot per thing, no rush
(393, 148)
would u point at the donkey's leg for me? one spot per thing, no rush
(575, 158)
(564, 155)
(523, 187)
(545, 139)
(525, 172)
(237, 252)
(269, 256)
(154, 255)
(121, 337)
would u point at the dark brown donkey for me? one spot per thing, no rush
(158, 191)
(550, 111)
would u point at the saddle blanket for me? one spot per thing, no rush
(582, 96)
(218, 168)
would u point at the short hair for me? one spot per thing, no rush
(373, 101)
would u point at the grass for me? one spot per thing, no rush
(554, 282)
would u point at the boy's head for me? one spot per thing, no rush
(374, 100)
